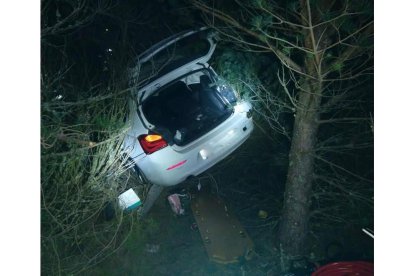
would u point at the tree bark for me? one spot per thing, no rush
(294, 223)
(293, 227)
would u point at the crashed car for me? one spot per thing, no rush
(183, 117)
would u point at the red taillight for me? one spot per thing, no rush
(151, 142)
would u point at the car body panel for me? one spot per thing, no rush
(217, 145)
(155, 49)
(174, 164)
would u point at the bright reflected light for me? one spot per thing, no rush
(203, 154)
(238, 108)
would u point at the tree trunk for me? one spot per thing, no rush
(293, 225)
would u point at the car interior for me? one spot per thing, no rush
(184, 112)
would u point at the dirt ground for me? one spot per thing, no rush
(171, 246)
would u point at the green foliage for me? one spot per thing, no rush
(257, 22)
(81, 167)
(140, 235)
(286, 50)
(259, 3)
(234, 66)
(348, 26)
(238, 67)
(293, 6)
(126, 260)
(337, 66)
(75, 163)
(110, 121)
(261, 22)
(254, 76)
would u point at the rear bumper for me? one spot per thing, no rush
(169, 167)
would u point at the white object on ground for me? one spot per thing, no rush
(129, 200)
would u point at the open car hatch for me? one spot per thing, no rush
(171, 57)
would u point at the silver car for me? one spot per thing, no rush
(184, 118)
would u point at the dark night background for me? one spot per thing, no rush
(88, 60)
